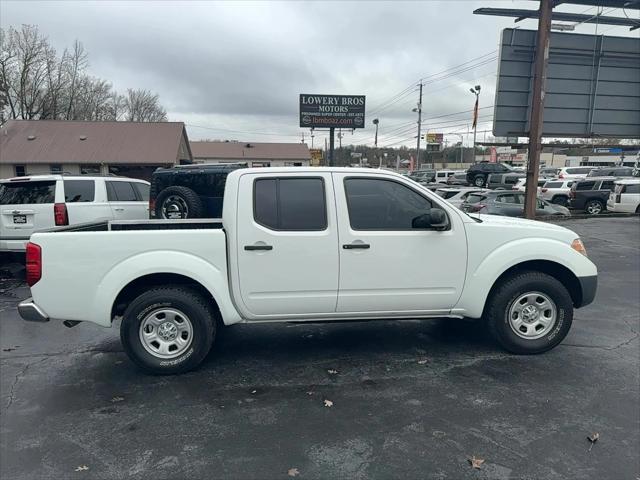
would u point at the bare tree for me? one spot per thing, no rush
(144, 106)
(36, 83)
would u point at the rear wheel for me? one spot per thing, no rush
(178, 202)
(529, 313)
(479, 181)
(168, 330)
(561, 200)
(594, 207)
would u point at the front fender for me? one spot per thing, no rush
(482, 274)
(212, 277)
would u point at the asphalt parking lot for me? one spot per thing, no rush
(410, 399)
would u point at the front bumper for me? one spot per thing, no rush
(589, 286)
(31, 312)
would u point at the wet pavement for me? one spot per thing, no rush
(410, 399)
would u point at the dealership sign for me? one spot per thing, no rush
(331, 111)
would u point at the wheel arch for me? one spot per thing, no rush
(141, 284)
(551, 268)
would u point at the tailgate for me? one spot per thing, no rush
(25, 207)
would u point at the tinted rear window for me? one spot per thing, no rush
(79, 191)
(296, 204)
(143, 190)
(475, 198)
(445, 194)
(632, 188)
(18, 193)
(585, 185)
(553, 185)
(121, 192)
(579, 170)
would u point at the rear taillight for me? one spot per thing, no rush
(561, 175)
(60, 214)
(572, 194)
(152, 207)
(544, 190)
(34, 263)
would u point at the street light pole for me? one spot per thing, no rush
(375, 143)
(476, 91)
(419, 110)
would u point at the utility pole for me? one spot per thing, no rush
(375, 142)
(326, 157)
(302, 137)
(537, 106)
(332, 131)
(312, 135)
(419, 110)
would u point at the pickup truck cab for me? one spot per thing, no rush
(309, 244)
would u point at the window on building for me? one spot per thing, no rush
(376, 204)
(20, 171)
(292, 164)
(290, 204)
(91, 169)
(79, 191)
(260, 164)
(55, 168)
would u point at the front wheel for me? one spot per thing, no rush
(168, 330)
(530, 313)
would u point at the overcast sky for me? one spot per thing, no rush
(237, 68)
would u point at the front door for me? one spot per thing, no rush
(385, 264)
(287, 244)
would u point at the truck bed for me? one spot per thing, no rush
(129, 225)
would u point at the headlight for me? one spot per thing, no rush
(578, 246)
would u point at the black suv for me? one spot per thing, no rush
(591, 194)
(189, 191)
(477, 174)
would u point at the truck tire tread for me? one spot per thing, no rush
(507, 291)
(201, 314)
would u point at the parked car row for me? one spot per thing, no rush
(41, 202)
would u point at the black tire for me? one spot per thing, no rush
(178, 202)
(506, 294)
(638, 209)
(479, 181)
(561, 200)
(198, 312)
(594, 207)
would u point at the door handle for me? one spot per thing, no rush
(353, 246)
(119, 209)
(258, 247)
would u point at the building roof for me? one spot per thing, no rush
(250, 151)
(58, 141)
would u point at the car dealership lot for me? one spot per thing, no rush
(411, 398)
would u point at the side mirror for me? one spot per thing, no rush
(435, 219)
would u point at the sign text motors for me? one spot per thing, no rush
(326, 111)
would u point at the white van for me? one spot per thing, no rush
(39, 202)
(443, 175)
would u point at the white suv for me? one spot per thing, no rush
(625, 197)
(574, 173)
(557, 191)
(39, 202)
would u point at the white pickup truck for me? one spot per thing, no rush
(309, 244)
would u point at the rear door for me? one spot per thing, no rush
(25, 207)
(124, 201)
(86, 201)
(287, 244)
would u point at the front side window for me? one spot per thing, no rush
(632, 188)
(79, 191)
(292, 204)
(376, 204)
(607, 185)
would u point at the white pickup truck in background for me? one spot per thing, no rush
(309, 244)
